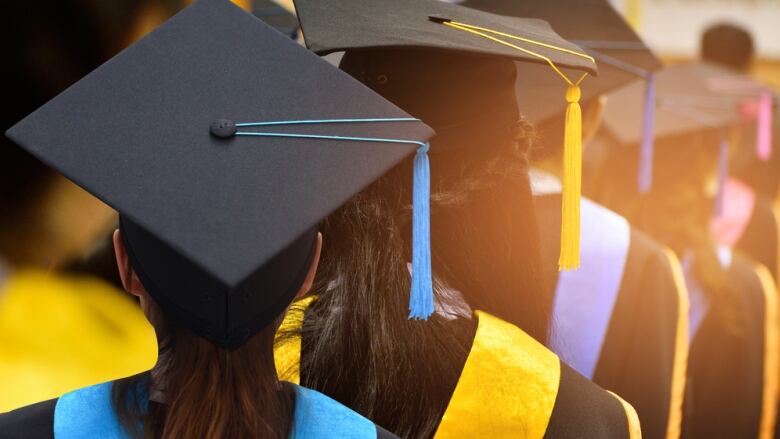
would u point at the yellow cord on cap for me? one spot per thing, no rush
(572, 142)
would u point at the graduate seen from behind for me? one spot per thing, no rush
(466, 371)
(217, 250)
(731, 389)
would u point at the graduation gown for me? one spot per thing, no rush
(510, 387)
(621, 318)
(732, 374)
(89, 413)
(60, 333)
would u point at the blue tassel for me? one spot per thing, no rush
(421, 295)
(645, 175)
(723, 173)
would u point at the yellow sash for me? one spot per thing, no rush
(508, 386)
(61, 333)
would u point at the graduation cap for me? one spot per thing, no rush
(276, 16)
(622, 56)
(219, 161)
(600, 30)
(431, 25)
(689, 98)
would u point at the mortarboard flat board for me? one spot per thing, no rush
(338, 25)
(222, 227)
(596, 27)
(689, 98)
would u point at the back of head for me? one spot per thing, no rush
(728, 45)
(484, 245)
(678, 209)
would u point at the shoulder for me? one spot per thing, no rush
(318, 416)
(583, 409)
(34, 421)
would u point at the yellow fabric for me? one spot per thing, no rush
(572, 144)
(524, 378)
(680, 366)
(634, 427)
(523, 384)
(770, 390)
(287, 350)
(60, 333)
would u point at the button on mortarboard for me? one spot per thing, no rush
(202, 219)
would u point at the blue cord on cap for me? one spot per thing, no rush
(421, 294)
(723, 173)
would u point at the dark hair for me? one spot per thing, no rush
(208, 391)
(358, 345)
(678, 210)
(728, 45)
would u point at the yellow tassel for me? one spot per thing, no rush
(572, 182)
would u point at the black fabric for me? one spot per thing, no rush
(685, 103)
(588, 23)
(637, 357)
(725, 365)
(381, 433)
(337, 25)
(34, 421)
(582, 410)
(135, 133)
(483, 109)
(759, 240)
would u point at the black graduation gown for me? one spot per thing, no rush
(642, 356)
(510, 386)
(732, 376)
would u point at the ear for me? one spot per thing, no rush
(309, 281)
(129, 279)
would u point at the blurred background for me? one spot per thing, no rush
(60, 328)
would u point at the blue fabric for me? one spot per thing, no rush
(585, 298)
(319, 417)
(89, 413)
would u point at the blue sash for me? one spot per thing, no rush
(89, 413)
(585, 298)
(700, 304)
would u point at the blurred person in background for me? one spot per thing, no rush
(59, 332)
(750, 218)
(731, 297)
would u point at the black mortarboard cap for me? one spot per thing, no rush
(360, 25)
(689, 97)
(338, 25)
(596, 27)
(220, 230)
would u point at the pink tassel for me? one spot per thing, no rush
(764, 126)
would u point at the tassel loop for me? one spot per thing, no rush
(572, 182)
(421, 295)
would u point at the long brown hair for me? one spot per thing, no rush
(208, 391)
(358, 346)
